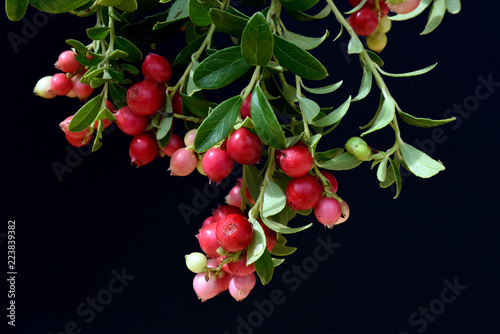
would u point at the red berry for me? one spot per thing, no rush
(67, 62)
(296, 161)
(75, 135)
(223, 211)
(129, 122)
(217, 164)
(328, 211)
(384, 9)
(208, 240)
(234, 196)
(364, 21)
(244, 147)
(145, 98)
(240, 286)
(110, 106)
(79, 142)
(245, 107)
(143, 149)
(60, 84)
(225, 280)
(156, 68)
(174, 143)
(234, 232)
(206, 289)
(271, 236)
(81, 90)
(333, 181)
(183, 162)
(240, 268)
(303, 193)
(177, 104)
(208, 220)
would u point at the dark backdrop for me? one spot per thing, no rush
(426, 262)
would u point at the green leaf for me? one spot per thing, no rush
(420, 163)
(306, 43)
(453, 6)
(423, 122)
(221, 68)
(280, 228)
(290, 141)
(382, 169)
(335, 116)
(59, 6)
(358, 7)
(125, 5)
(178, 11)
(118, 54)
(355, 46)
(366, 84)
(198, 107)
(384, 117)
(408, 74)
(130, 68)
(274, 200)
(282, 250)
(323, 90)
(264, 267)
(375, 57)
(298, 5)
(228, 23)
(86, 115)
(199, 13)
(436, 15)
(253, 180)
(218, 124)
(417, 11)
(277, 262)
(299, 16)
(266, 124)
(397, 176)
(344, 161)
(184, 56)
(118, 95)
(165, 121)
(79, 47)
(310, 109)
(134, 54)
(297, 60)
(328, 155)
(257, 41)
(16, 9)
(258, 245)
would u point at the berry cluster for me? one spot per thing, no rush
(372, 20)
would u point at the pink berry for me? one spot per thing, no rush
(208, 240)
(174, 143)
(75, 135)
(333, 181)
(156, 68)
(183, 162)
(244, 147)
(129, 122)
(404, 7)
(81, 90)
(328, 211)
(143, 149)
(189, 137)
(217, 164)
(245, 107)
(234, 233)
(60, 84)
(206, 289)
(234, 196)
(303, 193)
(145, 98)
(225, 280)
(67, 62)
(79, 142)
(296, 160)
(240, 268)
(240, 286)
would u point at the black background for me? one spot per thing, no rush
(393, 255)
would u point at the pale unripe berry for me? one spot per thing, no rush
(384, 24)
(183, 162)
(240, 286)
(42, 88)
(346, 213)
(196, 262)
(206, 289)
(377, 41)
(358, 147)
(189, 137)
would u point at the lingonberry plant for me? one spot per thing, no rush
(273, 127)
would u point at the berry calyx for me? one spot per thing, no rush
(296, 161)
(189, 137)
(143, 149)
(328, 211)
(234, 233)
(42, 88)
(217, 164)
(156, 68)
(358, 147)
(129, 122)
(60, 84)
(145, 98)
(196, 262)
(303, 193)
(183, 162)
(67, 62)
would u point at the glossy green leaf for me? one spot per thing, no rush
(375, 57)
(134, 54)
(178, 11)
(323, 90)
(344, 161)
(266, 124)
(423, 122)
(258, 245)
(86, 115)
(282, 250)
(309, 108)
(221, 68)
(355, 46)
(59, 6)
(165, 123)
(436, 15)
(198, 107)
(306, 43)
(16, 9)
(79, 47)
(334, 116)
(384, 117)
(280, 228)
(366, 84)
(453, 6)
(397, 176)
(382, 169)
(274, 200)
(228, 23)
(408, 74)
(264, 267)
(298, 5)
(420, 163)
(297, 60)
(300, 16)
(328, 155)
(184, 56)
(130, 68)
(218, 124)
(257, 41)
(199, 13)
